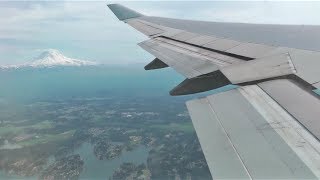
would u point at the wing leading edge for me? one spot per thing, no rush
(269, 126)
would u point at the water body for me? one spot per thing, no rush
(103, 169)
(97, 169)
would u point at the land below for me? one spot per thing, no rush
(41, 140)
(96, 123)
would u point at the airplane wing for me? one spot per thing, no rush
(269, 126)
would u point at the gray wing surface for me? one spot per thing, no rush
(269, 126)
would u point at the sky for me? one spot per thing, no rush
(88, 30)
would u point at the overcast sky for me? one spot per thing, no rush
(88, 30)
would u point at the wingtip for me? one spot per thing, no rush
(111, 4)
(123, 12)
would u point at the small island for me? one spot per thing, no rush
(66, 168)
(132, 171)
(105, 150)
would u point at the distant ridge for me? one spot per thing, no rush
(51, 58)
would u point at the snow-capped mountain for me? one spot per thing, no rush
(51, 58)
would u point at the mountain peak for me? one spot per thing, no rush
(52, 58)
(49, 53)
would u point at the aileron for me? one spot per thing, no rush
(201, 40)
(222, 44)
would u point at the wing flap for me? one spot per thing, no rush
(302, 104)
(259, 69)
(222, 159)
(169, 57)
(186, 62)
(264, 153)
